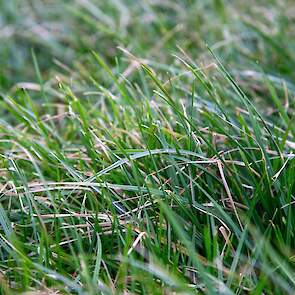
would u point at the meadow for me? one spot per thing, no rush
(147, 147)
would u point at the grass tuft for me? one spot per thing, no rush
(135, 158)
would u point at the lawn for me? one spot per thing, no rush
(147, 147)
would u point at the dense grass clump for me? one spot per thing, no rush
(147, 147)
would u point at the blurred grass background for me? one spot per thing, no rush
(242, 32)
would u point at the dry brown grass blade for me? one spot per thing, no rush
(219, 164)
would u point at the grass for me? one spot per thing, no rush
(147, 147)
